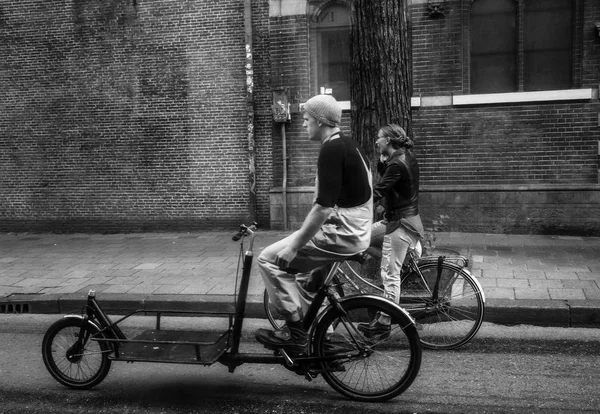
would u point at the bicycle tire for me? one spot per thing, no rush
(455, 316)
(371, 369)
(77, 369)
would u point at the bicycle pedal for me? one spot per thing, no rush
(309, 375)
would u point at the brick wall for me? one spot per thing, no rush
(123, 115)
(261, 40)
(527, 167)
(549, 143)
(513, 168)
(436, 50)
(591, 44)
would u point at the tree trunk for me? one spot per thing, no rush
(380, 69)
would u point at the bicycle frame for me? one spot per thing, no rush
(411, 265)
(356, 361)
(113, 336)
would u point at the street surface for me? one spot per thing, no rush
(521, 369)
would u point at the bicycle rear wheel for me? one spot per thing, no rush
(363, 367)
(453, 317)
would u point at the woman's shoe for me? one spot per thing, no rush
(375, 329)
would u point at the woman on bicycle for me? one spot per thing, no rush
(401, 228)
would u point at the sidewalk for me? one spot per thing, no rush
(543, 280)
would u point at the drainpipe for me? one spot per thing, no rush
(250, 110)
(284, 185)
(281, 115)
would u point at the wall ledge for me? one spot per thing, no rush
(562, 95)
(474, 188)
(519, 97)
(508, 187)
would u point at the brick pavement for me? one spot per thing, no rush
(527, 279)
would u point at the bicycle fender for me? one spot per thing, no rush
(476, 281)
(458, 268)
(82, 318)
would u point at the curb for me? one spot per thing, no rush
(557, 313)
(124, 303)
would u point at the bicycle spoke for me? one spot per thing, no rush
(73, 363)
(454, 316)
(382, 365)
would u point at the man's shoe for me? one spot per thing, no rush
(295, 343)
(283, 332)
(375, 329)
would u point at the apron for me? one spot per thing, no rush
(348, 230)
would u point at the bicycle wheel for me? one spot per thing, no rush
(74, 363)
(453, 317)
(369, 368)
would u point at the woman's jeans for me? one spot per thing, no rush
(394, 247)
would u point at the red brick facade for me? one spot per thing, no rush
(505, 167)
(129, 115)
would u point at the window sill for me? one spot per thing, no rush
(469, 188)
(415, 101)
(518, 97)
(495, 98)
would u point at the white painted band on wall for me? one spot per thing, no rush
(518, 97)
(493, 98)
(415, 102)
(279, 8)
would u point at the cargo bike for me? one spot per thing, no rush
(78, 349)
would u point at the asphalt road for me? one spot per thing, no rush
(505, 369)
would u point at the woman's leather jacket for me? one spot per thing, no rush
(399, 185)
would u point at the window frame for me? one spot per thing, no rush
(316, 8)
(577, 42)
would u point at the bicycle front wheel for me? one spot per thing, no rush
(370, 367)
(449, 316)
(72, 357)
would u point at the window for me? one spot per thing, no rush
(330, 51)
(494, 46)
(548, 44)
(521, 45)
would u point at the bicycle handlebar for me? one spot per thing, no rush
(245, 230)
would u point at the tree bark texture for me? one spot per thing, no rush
(380, 70)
